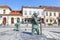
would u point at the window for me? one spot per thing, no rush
(12, 20)
(25, 12)
(4, 11)
(42, 20)
(54, 14)
(50, 20)
(50, 14)
(46, 13)
(46, 20)
(29, 12)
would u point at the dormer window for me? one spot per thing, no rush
(4, 11)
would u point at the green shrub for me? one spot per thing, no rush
(49, 24)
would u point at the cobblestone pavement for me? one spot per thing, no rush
(16, 35)
(10, 34)
(48, 33)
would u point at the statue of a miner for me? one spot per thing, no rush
(17, 24)
(34, 22)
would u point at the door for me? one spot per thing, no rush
(12, 20)
(4, 20)
(59, 22)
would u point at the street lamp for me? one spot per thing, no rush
(40, 26)
(27, 21)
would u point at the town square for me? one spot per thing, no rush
(29, 20)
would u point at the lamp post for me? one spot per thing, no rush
(27, 21)
(40, 26)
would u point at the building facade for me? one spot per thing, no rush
(48, 14)
(28, 12)
(9, 17)
(51, 15)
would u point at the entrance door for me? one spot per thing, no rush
(59, 22)
(4, 20)
(42, 20)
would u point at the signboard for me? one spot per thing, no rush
(0, 16)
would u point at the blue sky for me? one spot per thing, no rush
(17, 4)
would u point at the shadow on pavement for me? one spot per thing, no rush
(27, 33)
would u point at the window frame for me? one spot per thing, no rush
(50, 14)
(25, 12)
(46, 13)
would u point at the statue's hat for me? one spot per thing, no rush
(35, 14)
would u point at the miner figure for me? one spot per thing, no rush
(17, 24)
(34, 22)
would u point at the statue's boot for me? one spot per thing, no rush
(37, 30)
(33, 31)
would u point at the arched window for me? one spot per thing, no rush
(50, 20)
(46, 20)
(12, 20)
(18, 19)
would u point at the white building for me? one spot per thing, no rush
(7, 16)
(28, 12)
(51, 15)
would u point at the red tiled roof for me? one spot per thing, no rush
(16, 13)
(5, 6)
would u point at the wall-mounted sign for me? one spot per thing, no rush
(0, 16)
